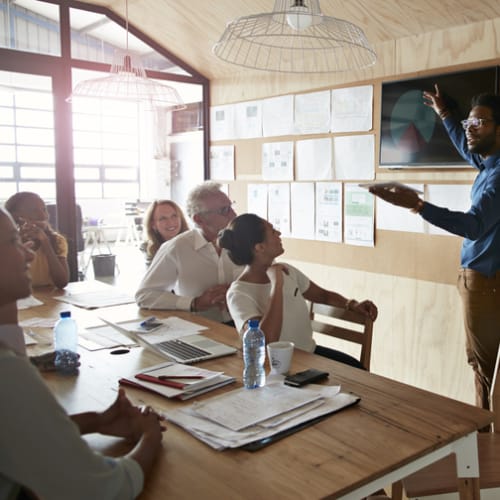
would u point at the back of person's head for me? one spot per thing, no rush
(196, 197)
(27, 204)
(491, 101)
(240, 238)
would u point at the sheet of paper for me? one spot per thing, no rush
(392, 218)
(277, 116)
(219, 437)
(28, 302)
(279, 207)
(302, 210)
(314, 160)
(359, 207)
(312, 113)
(248, 119)
(354, 157)
(102, 337)
(329, 211)
(277, 161)
(257, 200)
(222, 122)
(94, 300)
(222, 163)
(455, 197)
(242, 408)
(352, 109)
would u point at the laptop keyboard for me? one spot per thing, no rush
(181, 350)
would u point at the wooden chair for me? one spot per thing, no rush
(334, 322)
(440, 479)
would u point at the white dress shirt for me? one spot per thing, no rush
(182, 269)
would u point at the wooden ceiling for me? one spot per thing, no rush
(189, 28)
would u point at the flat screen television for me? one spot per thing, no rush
(411, 134)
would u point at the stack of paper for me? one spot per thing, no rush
(246, 416)
(176, 380)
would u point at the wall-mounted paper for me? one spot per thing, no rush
(354, 157)
(393, 218)
(312, 113)
(222, 122)
(277, 116)
(329, 211)
(314, 160)
(257, 200)
(302, 208)
(222, 163)
(279, 207)
(358, 216)
(248, 120)
(277, 161)
(454, 197)
(352, 109)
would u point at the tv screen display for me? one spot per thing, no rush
(411, 134)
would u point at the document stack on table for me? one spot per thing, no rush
(177, 380)
(254, 418)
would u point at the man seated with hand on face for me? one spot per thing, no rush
(190, 272)
(42, 453)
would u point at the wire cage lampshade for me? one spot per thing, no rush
(128, 80)
(295, 38)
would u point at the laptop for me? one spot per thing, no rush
(186, 349)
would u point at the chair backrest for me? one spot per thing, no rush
(334, 322)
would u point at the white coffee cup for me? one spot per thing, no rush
(280, 356)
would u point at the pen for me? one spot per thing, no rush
(295, 293)
(168, 377)
(148, 320)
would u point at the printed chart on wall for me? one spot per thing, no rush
(358, 216)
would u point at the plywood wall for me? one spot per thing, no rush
(418, 337)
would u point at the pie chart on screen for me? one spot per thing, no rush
(412, 123)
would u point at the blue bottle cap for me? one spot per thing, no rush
(65, 314)
(253, 323)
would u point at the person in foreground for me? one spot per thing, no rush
(50, 265)
(42, 453)
(190, 272)
(163, 220)
(477, 139)
(275, 293)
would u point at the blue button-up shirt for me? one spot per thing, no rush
(480, 225)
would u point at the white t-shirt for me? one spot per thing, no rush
(41, 448)
(250, 300)
(182, 269)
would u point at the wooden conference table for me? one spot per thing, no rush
(395, 430)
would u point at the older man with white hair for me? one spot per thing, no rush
(190, 272)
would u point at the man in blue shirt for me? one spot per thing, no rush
(477, 139)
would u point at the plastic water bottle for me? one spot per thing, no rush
(254, 355)
(66, 344)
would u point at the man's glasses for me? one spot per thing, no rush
(474, 122)
(221, 211)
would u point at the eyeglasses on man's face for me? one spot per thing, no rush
(224, 211)
(475, 122)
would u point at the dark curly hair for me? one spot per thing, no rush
(240, 237)
(491, 101)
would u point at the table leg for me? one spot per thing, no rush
(468, 468)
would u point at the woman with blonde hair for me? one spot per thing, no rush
(50, 266)
(163, 221)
